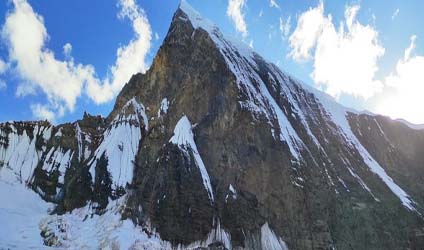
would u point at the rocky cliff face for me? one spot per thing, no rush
(216, 148)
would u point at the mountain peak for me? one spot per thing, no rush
(221, 40)
(194, 17)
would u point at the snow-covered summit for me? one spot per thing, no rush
(221, 40)
(195, 18)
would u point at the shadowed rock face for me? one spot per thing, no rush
(396, 146)
(287, 166)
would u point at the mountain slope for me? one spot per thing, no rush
(215, 147)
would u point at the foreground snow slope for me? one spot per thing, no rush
(21, 212)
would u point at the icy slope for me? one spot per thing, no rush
(18, 151)
(120, 142)
(21, 211)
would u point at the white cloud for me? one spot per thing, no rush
(404, 99)
(42, 112)
(26, 35)
(395, 14)
(251, 44)
(64, 81)
(130, 58)
(273, 4)
(261, 12)
(285, 27)
(25, 89)
(234, 11)
(309, 27)
(350, 15)
(156, 36)
(344, 59)
(67, 50)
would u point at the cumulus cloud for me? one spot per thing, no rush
(26, 35)
(344, 59)
(406, 87)
(234, 11)
(130, 58)
(274, 4)
(309, 28)
(63, 81)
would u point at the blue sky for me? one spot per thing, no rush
(368, 55)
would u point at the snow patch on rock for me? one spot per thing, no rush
(217, 234)
(57, 158)
(164, 106)
(231, 193)
(270, 241)
(183, 137)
